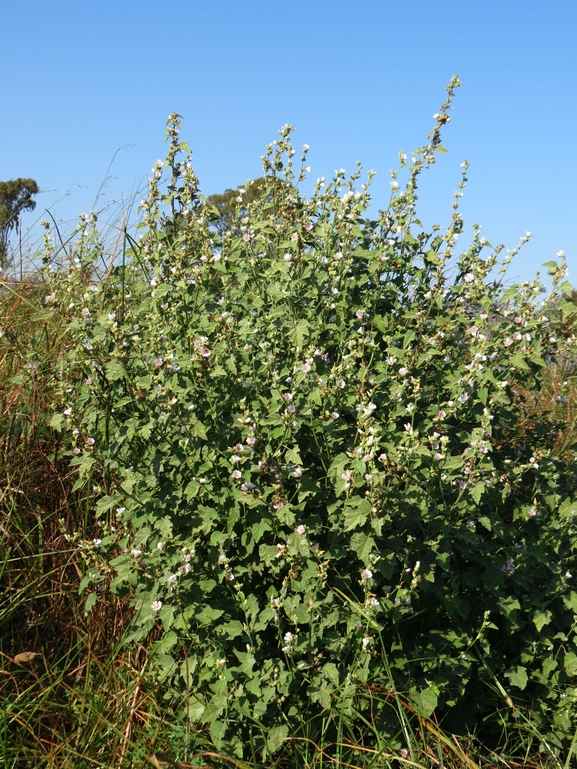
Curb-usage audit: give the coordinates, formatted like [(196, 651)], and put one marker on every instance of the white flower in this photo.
[(300, 529), (96, 542), (367, 574), (159, 545), (156, 605), (136, 552)]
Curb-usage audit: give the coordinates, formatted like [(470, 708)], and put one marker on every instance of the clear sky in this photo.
[(88, 85)]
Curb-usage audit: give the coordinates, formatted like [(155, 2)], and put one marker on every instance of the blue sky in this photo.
[(87, 85)]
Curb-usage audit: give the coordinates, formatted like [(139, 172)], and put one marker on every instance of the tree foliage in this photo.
[(15, 197)]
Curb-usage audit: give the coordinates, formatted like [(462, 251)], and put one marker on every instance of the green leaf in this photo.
[(195, 708), (509, 606), (57, 421), (115, 370), (570, 601), (141, 536), (298, 332), (476, 491), (542, 618), (259, 528), (191, 490), (208, 615), (217, 731), (355, 513), (162, 290), (198, 430), (426, 701), (332, 673), (215, 708), (232, 629), (90, 601), (276, 736), (321, 695), (104, 504), (517, 676), (363, 545), (570, 664), (431, 257), (293, 456)]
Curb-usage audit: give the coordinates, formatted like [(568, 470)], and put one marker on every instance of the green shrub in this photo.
[(302, 438)]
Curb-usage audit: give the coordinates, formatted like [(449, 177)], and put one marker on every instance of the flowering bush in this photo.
[(302, 437)]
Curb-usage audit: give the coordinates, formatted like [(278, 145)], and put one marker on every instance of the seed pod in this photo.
[(24, 658)]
